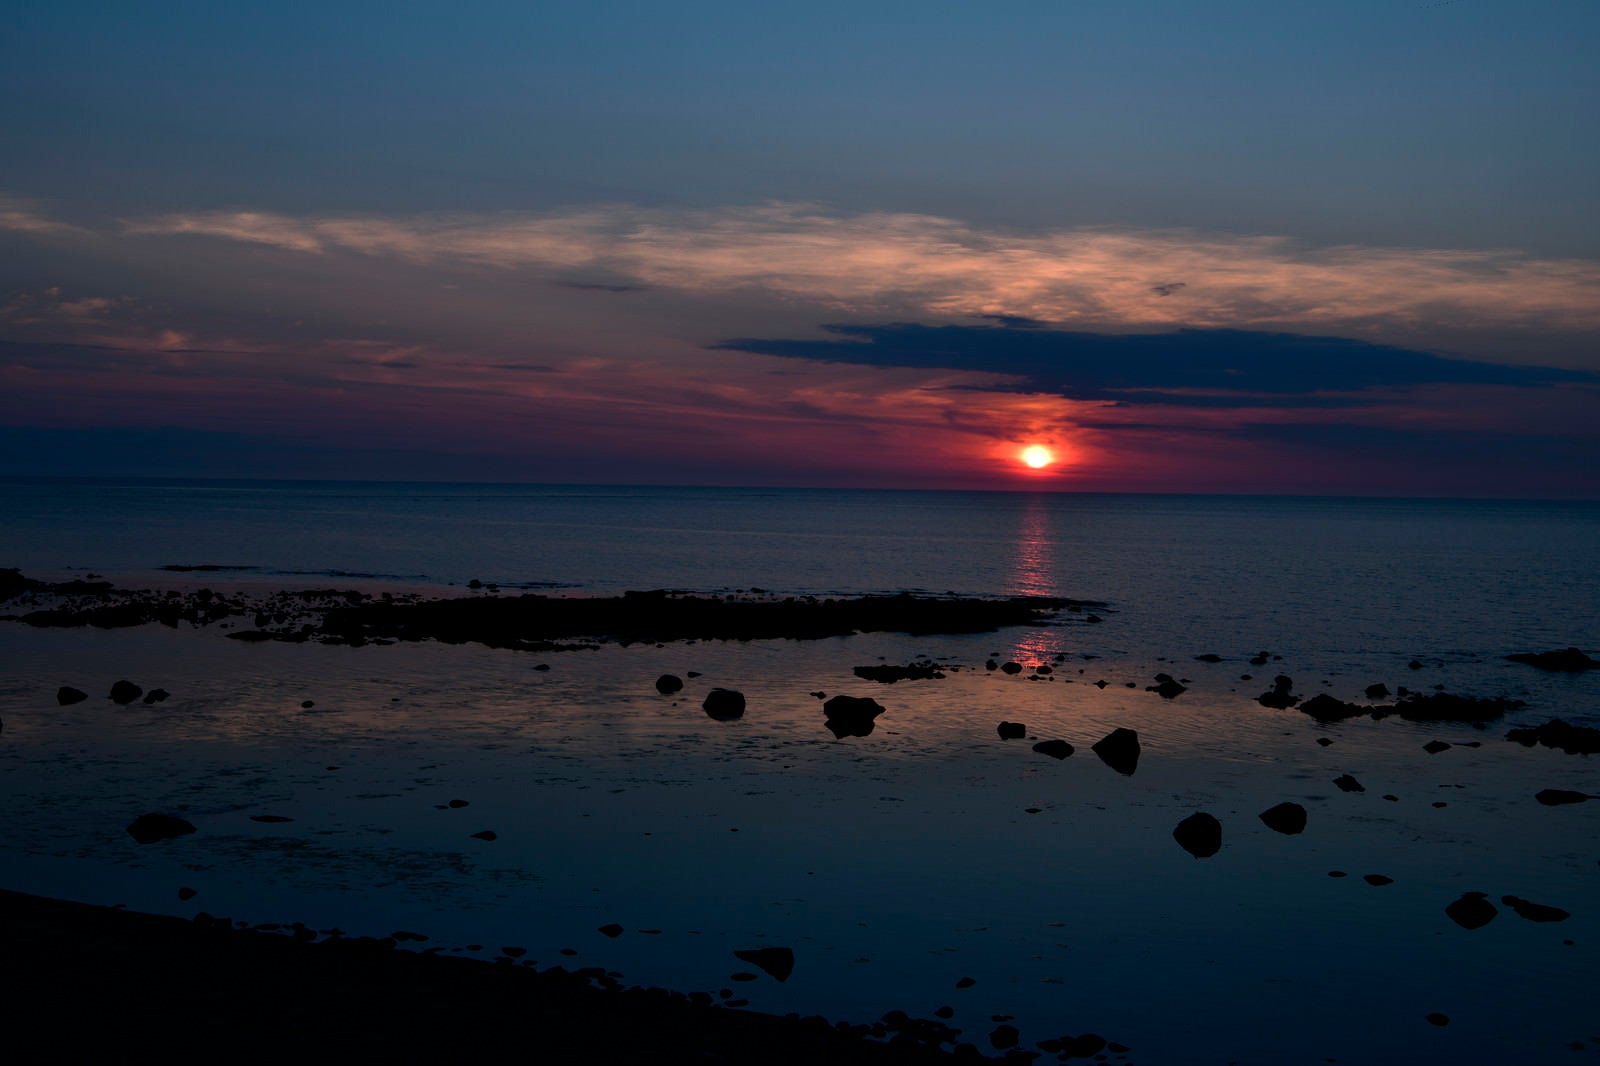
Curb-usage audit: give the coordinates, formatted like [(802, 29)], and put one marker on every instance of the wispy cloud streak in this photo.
[(883, 261)]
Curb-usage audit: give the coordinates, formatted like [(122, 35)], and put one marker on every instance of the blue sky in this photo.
[(615, 192)]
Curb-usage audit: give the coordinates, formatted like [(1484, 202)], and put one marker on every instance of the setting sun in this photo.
[(1037, 456)]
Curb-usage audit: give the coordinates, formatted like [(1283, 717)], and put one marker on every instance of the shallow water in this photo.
[(893, 864)]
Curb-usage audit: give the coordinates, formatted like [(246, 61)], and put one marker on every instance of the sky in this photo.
[(1237, 246)]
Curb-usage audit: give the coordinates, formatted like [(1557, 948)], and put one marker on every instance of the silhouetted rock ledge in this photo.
[(1569, 661), (101, 974), (528, 622), (1560, 734)]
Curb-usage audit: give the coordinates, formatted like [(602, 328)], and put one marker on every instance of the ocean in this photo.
[(895, 865)]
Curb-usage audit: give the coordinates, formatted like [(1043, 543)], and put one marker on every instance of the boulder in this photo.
[(1056, 749), (66, 696), (667, 684), (1472, 911), (1379, 691), (851, 716), (1011, 668), (1559, 734), (1287, 818), (1011, 730), (1279, 697), (1199, 834), (1445, 707), (157, 695), (775, 962), (149, 828), (1167, 687), (1324, 708), (724, 704), (125, 692), (1434, 747), (1119, 749), (1535, 912), (1347, 783), (1570, 661), (1558, 797)]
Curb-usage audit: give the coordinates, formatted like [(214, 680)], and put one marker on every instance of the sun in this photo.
[(1037, 456)]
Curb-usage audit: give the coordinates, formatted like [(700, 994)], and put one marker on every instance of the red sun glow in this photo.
[(1037, 456)]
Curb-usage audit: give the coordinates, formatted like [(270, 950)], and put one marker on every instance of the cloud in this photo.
[(22, 215), (926, 265), (1189, 367)]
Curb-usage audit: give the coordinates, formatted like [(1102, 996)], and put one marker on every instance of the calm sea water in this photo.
[(894, 864)]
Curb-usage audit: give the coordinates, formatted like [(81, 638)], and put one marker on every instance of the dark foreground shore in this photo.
[(82, 980)]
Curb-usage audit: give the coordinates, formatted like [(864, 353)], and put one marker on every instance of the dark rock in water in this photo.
[(1119, 749), (1535, 912), (1434, 747), (724, 704), (1569, 661), (1472, 911), (851, 716), (1438, 1019), (1102, 683), (1323, 742), (1011, 668), (613, 930), (457, 804), (1378, 880), (66, 696), (1324, 708), (1557, 733), (1287, 818), (1444, 707), (486, 834), (1347, 783), (1056, 749), (306, 705), (1086, 1046), (157, 695), (667, 684), (1279, 698), (776, 962), (1011, 730), (966, 982), (1414, 665), (1259, 659), (1208, 657), (991, 664), (125, 692), (1200, 835), (1377, 692), (1166, 687), (1557, 797), (149, 828), (1004, 1037), (272, 819), (185, 894), (945, 1012), (888, 675)]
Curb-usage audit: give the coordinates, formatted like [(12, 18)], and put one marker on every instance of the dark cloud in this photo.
[(1169, 288), (591, 286), (1016, 321), (530, 368), (1189, 367)]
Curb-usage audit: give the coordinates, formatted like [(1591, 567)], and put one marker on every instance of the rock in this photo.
[(271, 819), (724, 704), (1438, 1019), (125, 692), (1569, 661), (1535, 912), (1324, 708), (149, 828), (667, 684), (1377, 880), (990, 664), (1347, 783), (966, 982), (1208, 657), (1559, 734), (306, 705), (1011, 730), (1444, 707), (1119, 749), (1323, 742), (1200, 835), (1557, 797), (1378, 692), (1259, 659), (1056, 749), (851, 716), (1004, 1036), (1472, 911), (945, 1012), (612, 930), (1286, 818), (1166, 687), (1434, 747), (66, 696), (1414, 665), (157, 695), (185, 894), (1279, 698), (486, 834), (1082, 1047), (1011, 668), (775, 962), (457, 804)]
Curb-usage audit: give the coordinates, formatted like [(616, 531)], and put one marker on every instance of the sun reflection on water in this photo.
[(1033, 573)]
